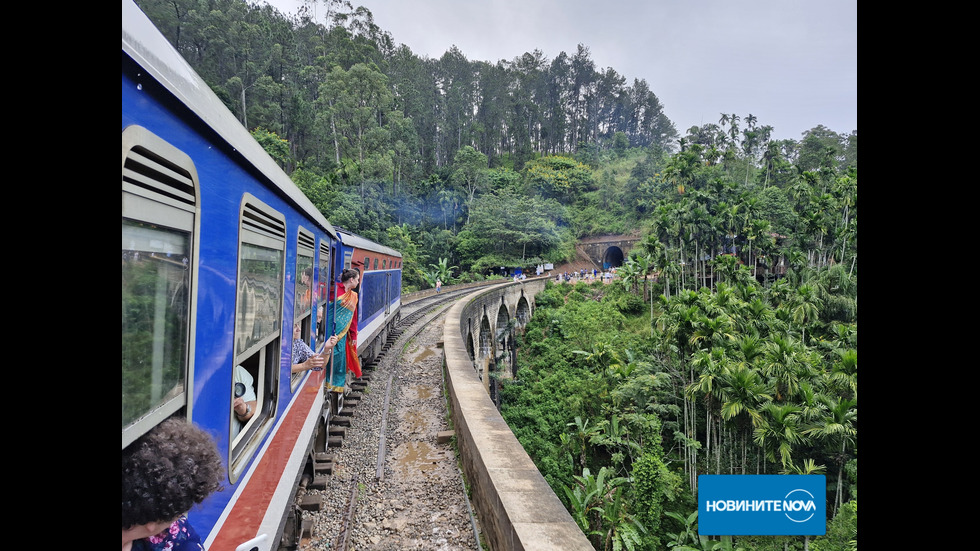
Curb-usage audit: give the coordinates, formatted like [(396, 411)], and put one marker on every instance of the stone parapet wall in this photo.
[(517, 510)]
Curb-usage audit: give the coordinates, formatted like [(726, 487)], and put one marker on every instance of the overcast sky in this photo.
[(791, 63)]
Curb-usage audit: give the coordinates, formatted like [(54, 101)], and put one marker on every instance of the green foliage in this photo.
[(275, 146), (631, 305), (558, 177), (514, 229), (599, 508), (440, 272), (653, 486), (841, 531)]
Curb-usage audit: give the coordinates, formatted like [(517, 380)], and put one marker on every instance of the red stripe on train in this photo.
[(250, 508)]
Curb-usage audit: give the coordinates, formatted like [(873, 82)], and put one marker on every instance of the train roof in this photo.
[(143, 42), (354, 240)]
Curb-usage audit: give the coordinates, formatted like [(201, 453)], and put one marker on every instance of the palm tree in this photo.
[(769, 159), (838, 429), (782, 365), (805, 307), (843, 375), (716, 330), (628, 274), (779, 431), (710, 366), (643, 265), (758, 316), (733, 130), (760, 230), (742, 393)]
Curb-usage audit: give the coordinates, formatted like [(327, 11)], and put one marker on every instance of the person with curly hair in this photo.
[(165, 472)]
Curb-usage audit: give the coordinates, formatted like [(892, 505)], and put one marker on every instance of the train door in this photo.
[(325, 278), (303, 295), (387, 294)]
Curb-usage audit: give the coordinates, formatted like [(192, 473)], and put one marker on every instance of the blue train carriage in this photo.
[(379, 294), (222, 257)]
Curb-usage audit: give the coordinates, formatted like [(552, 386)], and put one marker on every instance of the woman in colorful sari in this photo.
[(345, 332)]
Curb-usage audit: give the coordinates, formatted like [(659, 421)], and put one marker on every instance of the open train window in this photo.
[(367, 263), (258, 327), (159, 266), (304, 294)]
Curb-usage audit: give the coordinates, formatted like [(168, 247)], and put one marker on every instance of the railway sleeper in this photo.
[(311, 503), (322, 459), (341, 421), (307, 530), (320, 481)]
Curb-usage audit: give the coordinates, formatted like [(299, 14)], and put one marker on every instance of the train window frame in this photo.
[(262, 236), (160, 198), (303, 301), (367, 262)]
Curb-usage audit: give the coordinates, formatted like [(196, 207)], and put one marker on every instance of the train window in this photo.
[(159, 225), (258, 326), (367, 263), (375, 263), (303, 293), (384, 264)]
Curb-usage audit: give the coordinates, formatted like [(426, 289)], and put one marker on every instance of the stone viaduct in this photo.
[(517, 508)]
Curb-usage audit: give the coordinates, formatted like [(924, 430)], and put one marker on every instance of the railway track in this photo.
[(394, 481)]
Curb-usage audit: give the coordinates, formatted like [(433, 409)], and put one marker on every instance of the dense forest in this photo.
[(727, 343)]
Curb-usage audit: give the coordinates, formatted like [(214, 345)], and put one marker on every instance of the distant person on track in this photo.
[(165, 472), (438, 285), (344, 339)]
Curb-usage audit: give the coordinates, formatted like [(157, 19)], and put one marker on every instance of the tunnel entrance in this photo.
[(612, 258)]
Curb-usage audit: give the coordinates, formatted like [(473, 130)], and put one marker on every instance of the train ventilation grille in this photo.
[(306, 242), (154, 173), (262, 223)]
